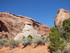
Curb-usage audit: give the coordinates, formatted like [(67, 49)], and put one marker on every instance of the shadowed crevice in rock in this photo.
[(3, 27)]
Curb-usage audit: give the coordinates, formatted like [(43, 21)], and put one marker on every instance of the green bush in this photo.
[(66, 32), (12, 43), (38, 40), (26, 41), (47, 40), (57, 43), (66, 25), (2, 42), (58, 36)]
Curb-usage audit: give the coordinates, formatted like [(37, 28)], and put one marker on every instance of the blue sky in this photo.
[(43, 11)]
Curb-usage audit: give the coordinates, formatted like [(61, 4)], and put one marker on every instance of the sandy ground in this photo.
[(28, 49)]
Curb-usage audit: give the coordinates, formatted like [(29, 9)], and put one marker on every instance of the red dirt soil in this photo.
[(28, 49)]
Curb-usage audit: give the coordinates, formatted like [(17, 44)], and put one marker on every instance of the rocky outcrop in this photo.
[(61, 16), (11, 25), (27, 30)]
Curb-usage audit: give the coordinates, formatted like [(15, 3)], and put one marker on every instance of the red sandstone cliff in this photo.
[(11, 25)]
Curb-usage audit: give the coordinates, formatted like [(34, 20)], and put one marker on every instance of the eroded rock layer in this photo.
[(11, 25)]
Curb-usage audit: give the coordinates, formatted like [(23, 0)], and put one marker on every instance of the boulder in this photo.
[(62, 15)]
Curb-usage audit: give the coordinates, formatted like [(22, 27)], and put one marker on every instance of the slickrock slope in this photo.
[(61, 16), (11, 25)]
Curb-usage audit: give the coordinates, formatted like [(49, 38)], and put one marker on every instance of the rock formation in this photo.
[(61, 16), (27, 30), (11, 25)]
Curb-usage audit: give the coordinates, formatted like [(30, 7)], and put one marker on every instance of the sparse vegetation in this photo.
[(66, 32), (2, 42), (12, 43), (57, 43), (38, 40), (58, 36), (26, 41)]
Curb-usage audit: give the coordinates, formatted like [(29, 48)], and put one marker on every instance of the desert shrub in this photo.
[(57, 42), (66, 32), (66, 36), (38, 40), (12, 43), (47, 40), (58, 36), (26, 41), (66, 25), (2, 42)]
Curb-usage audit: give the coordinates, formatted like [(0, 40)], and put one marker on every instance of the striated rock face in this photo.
[(61, 16), (11, 25)]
